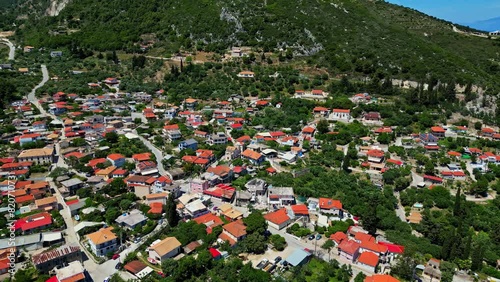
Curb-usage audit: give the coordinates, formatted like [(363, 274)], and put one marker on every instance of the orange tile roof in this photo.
[(372, 246), (368, 258), (438, 129), (487, 130), (251, 154), (364, 237), (115, 157), (236, 228), (380, 278), (348, 246), (156, 208), (341, 111), (278, 217), (300, 209), (338, 237), (102, 235), (326, 203)]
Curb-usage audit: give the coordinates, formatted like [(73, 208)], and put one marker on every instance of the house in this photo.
[(28, 138), (300, 211), (54, 54), (119, 173), (38, 189), (190, 103), (340, 115), (73, 271), (217, 139), (38, 156), (373, 247), (487, 132), (330, 206), (28, 49), (372, 116), (280, 196), (157, 198), (438, 132), (232, 153), (278, 219), (433, 179), (432, 269), (33, 223), (141, 157), (380, 278), (117, 160), (58, 257), (146, 168), (111, 81), (72, 185), (210, 220), (188, 144), (164, 249), (246, 74), (106, 173), (375, 156), (195, 208), (135, 267), (224, 173), (131, 219), (429, 139), (349, 249), (368, 260), (255, 158), (221, 191), (338, 237), (172, 132), (308, 131), (47, 204), (233, 232), (74, 206), (103, 241), (155, 208)]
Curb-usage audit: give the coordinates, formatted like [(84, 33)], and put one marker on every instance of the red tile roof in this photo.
[(380, 278), (374, 247), (375, 153), (487, 130), (433, 178), (251, 154), (368, 258), (115, 157), (338, 237), (341, 111), (349, 246), (277, 217), (364, 237), (300, 209), (327, 204), (171, 127), (308, 129), (33, 221), (438, 129)]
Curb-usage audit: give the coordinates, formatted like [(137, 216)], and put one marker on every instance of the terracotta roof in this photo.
[(320, 109), (236, 228), (487, 130), (338, 237), (171, 127), (380, 278), (55, 253), (341, 111), (251, 154), (165, 246), (46, 201), (364, 237), (115, 157), (454, 154), (368, 258), (438, 129), (25, 198), (308, 129), (348, 246), (277, 217), (135, 266), (157, 196), (326, 203), (209, 219), (141, 157), (300, 209), (372, 246), (375, 153), (102, 235), (220, 170), (156, 208), (33, 221)]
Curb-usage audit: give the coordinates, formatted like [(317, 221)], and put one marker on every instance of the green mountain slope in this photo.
[(346, 36)]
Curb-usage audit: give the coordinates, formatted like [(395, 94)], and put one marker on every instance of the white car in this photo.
[(106, 279)]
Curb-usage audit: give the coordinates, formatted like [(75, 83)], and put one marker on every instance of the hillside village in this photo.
[(113, 185)]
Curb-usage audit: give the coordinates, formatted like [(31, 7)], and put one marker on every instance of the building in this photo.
[(233, 232), (38, 156), (330, 206), (349, 249), (375, 156), (338, 237), (340, 115), (298, 257), (372, 116), (157, 198), (254, 157), (73, 272), (164, 249), (58, 257), (368, 260), (103, 241), (195, 209), (380, 278), (47, 204), (432, 269), (117, 160), (72, 185), (188, 144), (438, 132), (256, 186), (54, 54), (135, 267), (131, 219), (246, 74), (219, 138), (106, 173), (280, 196), (278, 219)]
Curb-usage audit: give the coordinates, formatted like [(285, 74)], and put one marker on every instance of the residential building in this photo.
[(340, 115), (233, 232), (157, 198), (372, 116), (298, 257), (278, 219), (195, 209), (106, 173), (131, 219), (72, 185), (232, 153), (217, 139), (210, 220), (188, 144), (47, 204), (164, 249), (58, 257), (224, 173), (368, 261), (73, 272), (280, 196), (438, 132), (246, 74), (256, 186), (330, 206), (38, 156), (198, 185), (103, 241), (338, 237), (117, 160), (432, 269), (349, 249), (254, 157), (380, 278)]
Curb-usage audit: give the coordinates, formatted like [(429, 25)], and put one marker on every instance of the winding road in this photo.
[(31, 96), (12, 48)]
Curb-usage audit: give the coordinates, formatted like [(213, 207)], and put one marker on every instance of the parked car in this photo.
[(106, 279), (115, 256), (318, 236), (277, 259), (311, 237), (118, 265)]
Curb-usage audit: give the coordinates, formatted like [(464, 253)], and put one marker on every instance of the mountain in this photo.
[(486, 25), (364, 37)]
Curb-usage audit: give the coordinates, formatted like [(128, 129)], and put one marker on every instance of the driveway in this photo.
[(12, 48)]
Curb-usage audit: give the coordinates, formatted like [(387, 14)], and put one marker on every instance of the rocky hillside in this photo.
[(346, 36)]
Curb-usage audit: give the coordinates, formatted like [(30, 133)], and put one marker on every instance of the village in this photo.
[(99, 180)]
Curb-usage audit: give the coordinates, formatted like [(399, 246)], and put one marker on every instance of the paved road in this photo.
[(416, 179), (31, 96), (400, 211), (158, 154), (12, 48)]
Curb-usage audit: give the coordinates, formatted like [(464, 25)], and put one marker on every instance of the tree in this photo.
[(478, 125), (323, 126), (171, 212), (278, 242), (58, 171), (404, 268), (384, 138), (255, 243), (480, 245), (360, 277), (328, 246), (111, 137), (255, 223)]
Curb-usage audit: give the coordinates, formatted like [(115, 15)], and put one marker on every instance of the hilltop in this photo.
[(363, 37)]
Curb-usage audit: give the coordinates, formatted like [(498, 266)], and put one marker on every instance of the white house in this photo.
[(103, 241), (340, 115), (164, 249)]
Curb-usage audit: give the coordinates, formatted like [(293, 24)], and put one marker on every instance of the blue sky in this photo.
[(458, 11)]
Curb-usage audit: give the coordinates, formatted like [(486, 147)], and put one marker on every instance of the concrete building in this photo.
[(164, 249)]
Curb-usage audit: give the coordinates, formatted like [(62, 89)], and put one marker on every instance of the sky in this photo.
[(457, 11)]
